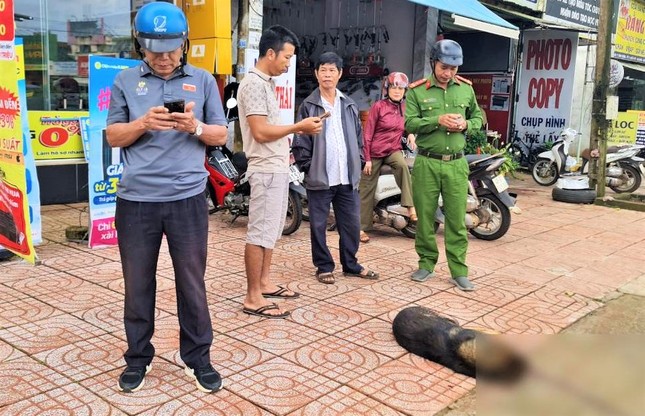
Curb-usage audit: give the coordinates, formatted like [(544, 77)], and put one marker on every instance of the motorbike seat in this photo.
[(475, 159), (387, 170)]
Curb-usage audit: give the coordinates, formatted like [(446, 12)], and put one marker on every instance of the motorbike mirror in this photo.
[(231, 103)]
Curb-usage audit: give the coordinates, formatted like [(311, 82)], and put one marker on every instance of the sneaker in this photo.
[(421, 275), (463, 283), (206, 378), (133, 378)]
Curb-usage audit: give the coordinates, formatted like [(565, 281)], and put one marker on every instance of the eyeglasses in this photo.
[(398, 87)]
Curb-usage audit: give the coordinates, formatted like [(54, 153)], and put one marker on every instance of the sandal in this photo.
[(363, 274), (261, 312), (414, 218), (364, 238), (326, 278)]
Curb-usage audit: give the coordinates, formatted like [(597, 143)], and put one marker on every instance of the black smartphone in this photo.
[(176, 106)]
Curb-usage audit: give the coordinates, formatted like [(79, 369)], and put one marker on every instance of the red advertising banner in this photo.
[(493, 93), (6, 21)]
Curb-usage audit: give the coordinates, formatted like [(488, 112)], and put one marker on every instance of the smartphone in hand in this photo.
[(326, 115), (176, 106)]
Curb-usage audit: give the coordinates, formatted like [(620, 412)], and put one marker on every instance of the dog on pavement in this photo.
[(425, 333)]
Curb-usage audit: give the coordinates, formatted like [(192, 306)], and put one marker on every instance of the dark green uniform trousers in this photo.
[(431, 177)]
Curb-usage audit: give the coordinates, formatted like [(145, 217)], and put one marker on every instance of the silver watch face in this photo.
[(198, 130)]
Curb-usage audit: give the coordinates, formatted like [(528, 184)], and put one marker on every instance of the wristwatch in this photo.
[(198, 129)]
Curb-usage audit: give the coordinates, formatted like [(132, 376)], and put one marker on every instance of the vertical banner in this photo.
[(545, 93), (31, 177), (15, 230), (105, 165)]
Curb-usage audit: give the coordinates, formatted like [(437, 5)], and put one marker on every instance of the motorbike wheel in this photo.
[(545, 172), (500, 219), (633, 180), (294, 214), (410, 230)]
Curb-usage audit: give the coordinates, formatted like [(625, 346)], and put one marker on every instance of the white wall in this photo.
[(583, 96)]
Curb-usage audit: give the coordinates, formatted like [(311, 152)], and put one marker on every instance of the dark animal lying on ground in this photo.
[(423, 332)]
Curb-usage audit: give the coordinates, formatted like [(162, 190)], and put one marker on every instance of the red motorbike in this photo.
[(229, 190)]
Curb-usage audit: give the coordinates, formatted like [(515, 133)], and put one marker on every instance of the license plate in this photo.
[(500, 183), (294, 174)]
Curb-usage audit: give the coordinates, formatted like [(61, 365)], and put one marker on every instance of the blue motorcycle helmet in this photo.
[(160, 27), (447, 52)]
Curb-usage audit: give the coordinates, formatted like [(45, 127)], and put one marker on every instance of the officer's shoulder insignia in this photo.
[(417, 83), (462, 79)]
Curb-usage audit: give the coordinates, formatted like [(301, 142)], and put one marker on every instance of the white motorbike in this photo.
[(622, 169), (488, 214)]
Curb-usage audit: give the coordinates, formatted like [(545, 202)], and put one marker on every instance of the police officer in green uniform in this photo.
[(440, 110)]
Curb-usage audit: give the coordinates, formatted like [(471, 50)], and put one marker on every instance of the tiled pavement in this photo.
[(62, 338)]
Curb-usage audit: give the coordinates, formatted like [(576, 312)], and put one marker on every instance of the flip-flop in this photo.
[(262, 309), (280, 294), (326, 278), (369, 274)]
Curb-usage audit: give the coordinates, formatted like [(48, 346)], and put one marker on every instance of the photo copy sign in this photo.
[(546, 84)]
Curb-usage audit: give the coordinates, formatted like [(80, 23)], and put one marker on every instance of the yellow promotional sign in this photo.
[(629, 43), (15, 230), (56, 135), (623, 129)]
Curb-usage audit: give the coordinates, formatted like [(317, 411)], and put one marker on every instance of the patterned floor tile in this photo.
[(337, 359), (67, 293), (277, 336), (375, 335), (227, 315), (71, 399), (225, 286), (367, 301), (48, 334), (571, 285), (222, 403), (402, 288), (327, 317), (24, 377), (73, 261), (280, 386), (228, 263), (508, 320), (345, 401), (228, 355), (21, 310), (464, 306), (308, 285), (530, 274), (100, 274), (163, 383), (8, 352), (86, 358), (13, 270), (411, 390)]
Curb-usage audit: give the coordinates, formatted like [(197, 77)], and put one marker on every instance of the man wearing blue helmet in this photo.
[(161, 192), (440, 110)]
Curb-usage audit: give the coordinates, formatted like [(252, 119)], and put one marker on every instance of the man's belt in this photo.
[(445, 158)]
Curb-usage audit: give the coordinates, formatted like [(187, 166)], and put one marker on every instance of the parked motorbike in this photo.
[(622, 170), (525, 154), (488, 215), (229, 190)]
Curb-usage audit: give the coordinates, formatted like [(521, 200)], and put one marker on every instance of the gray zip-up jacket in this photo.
[(310, 151)]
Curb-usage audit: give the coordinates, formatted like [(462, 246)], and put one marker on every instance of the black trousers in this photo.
[(346, 205), (141, 227)]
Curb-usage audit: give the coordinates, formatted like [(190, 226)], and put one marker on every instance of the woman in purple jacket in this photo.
[(382, 144)]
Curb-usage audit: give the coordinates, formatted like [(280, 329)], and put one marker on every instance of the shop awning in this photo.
[(473, 15), (634, 66)]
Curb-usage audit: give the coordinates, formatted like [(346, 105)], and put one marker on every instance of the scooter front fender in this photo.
[(547, 154), (293, 186)]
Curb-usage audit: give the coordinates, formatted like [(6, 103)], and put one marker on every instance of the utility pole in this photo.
[(242, 42), (599, 122)]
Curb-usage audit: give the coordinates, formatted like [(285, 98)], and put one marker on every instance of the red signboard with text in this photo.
[(493, 93), (6, 21)]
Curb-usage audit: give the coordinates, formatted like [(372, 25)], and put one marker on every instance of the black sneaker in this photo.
[(206, 378), (132, 378)]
